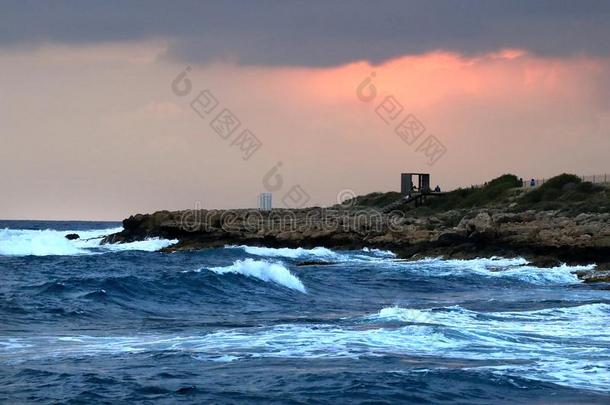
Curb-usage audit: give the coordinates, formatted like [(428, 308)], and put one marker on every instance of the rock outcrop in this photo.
[(545, 237)]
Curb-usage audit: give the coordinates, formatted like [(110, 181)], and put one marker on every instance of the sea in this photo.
[(83, 323)]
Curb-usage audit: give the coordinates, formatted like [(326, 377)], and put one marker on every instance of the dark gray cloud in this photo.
[(315, 33)]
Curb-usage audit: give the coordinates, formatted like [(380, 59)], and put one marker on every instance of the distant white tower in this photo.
[(264, 202)]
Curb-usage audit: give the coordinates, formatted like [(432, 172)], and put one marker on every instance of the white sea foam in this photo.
[(26, 242), (575, 373), (290, 253), (532, 344), (496, 267), (38, 243), (379, 252), (588, 320), (322, 253), (148, 245), (289, 340), (567, 345), (263, 270)]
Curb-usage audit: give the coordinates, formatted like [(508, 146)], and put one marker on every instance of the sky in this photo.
[(112, 108)]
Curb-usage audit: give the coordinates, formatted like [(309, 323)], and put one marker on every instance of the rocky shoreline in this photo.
[(545, 238)]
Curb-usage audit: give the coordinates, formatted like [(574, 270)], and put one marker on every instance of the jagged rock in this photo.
[(545, 236), (481, 223), (595, 276), (582, 218), (545, 262), (502, 218), (451, 238), (289, 236)]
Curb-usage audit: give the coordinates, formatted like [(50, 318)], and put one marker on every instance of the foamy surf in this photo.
[(148, 245), (517, 269), (558, 356), (477, 325), (379, 252), (263, 270), (319, 253), (588, 320), (549, 340), (290, 253), (26, 242)]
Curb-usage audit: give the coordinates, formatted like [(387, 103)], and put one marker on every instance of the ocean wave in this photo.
[(290, 253), (263, 270), (288, 340), (379, 252), (37, 243), (496, 267), (517, 269), (148, 245), (588, 320), (48, 242), (320, 253), (509, 350)]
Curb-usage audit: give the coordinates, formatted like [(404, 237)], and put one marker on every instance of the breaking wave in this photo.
[(27, 242), (549, 343), (263, 270), (148, 245), (379, 252), (319, 253), (545, 345), (578, 321), (295, 253), (516, 269), (483, 320)]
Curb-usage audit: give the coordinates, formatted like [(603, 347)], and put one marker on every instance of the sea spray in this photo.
[(291, 253), (517, 269), (263, 270), (48, 242)]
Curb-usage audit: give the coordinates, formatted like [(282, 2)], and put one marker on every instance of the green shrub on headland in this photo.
[(494, 191), (552, 189), (565, 192), (568, 193), (372, 200)]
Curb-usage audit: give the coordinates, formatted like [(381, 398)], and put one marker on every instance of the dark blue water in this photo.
[(81, 323)]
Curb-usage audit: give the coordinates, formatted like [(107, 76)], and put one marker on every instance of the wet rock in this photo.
[(72, 236), (595, 276), (544, 237), (545, 262), (481, 223), (451, 238)]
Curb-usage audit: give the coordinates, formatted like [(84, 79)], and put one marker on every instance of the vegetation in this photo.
[(492, 192), (565, 192), (552, 189), (373, 200), (568, 193)]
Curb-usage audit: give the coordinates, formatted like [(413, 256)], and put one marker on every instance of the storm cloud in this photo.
[(315, 33)]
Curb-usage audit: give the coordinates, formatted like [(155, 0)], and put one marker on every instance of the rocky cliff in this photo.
[(565, 220), (546, 238)]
